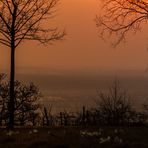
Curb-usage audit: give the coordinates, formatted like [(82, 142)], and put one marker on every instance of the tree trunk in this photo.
[(11, 91)]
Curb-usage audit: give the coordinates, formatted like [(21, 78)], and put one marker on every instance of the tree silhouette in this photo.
[(119, 17), (22, 20), (115, 105), (26, 102)]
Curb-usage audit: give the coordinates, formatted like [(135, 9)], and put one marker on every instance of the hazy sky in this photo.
[(82, 49)]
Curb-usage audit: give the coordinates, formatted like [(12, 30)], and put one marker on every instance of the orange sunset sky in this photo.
[(81, 49)]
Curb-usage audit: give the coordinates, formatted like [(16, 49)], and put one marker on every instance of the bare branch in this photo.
[(119, 17), (4, 42), (22, 20)]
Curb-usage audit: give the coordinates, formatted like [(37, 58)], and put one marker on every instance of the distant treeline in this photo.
[(113, 108)]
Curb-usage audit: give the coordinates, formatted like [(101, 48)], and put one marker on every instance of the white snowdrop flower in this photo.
[(103, 140), (90, 134), (108, 138), (82, 133), (9, 133), (116, 131), (35, 130)]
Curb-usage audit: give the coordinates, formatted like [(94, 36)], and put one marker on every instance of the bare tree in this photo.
[(47, 117), (22, 20), (114, 106), (26, 102), (27, 105), (119, 17), (3, 98)]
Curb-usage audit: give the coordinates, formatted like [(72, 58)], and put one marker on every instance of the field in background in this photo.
[(72, 91)]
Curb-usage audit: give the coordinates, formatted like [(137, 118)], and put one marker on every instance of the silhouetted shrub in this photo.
[(114, 106), (26, 102)]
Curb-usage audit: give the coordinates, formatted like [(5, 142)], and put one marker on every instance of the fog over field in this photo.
[(71, 90)]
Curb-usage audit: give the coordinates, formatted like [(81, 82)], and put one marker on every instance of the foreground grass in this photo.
[(71, 137)]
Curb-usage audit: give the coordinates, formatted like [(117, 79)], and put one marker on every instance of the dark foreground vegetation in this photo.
[(112, 123), (72, 137)]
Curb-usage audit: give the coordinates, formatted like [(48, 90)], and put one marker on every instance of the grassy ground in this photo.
[(135, 137)]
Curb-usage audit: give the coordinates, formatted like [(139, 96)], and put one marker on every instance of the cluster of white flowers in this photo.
[(104, 140), (33, 131), (116, 139), (10, 133), (86, 133)]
